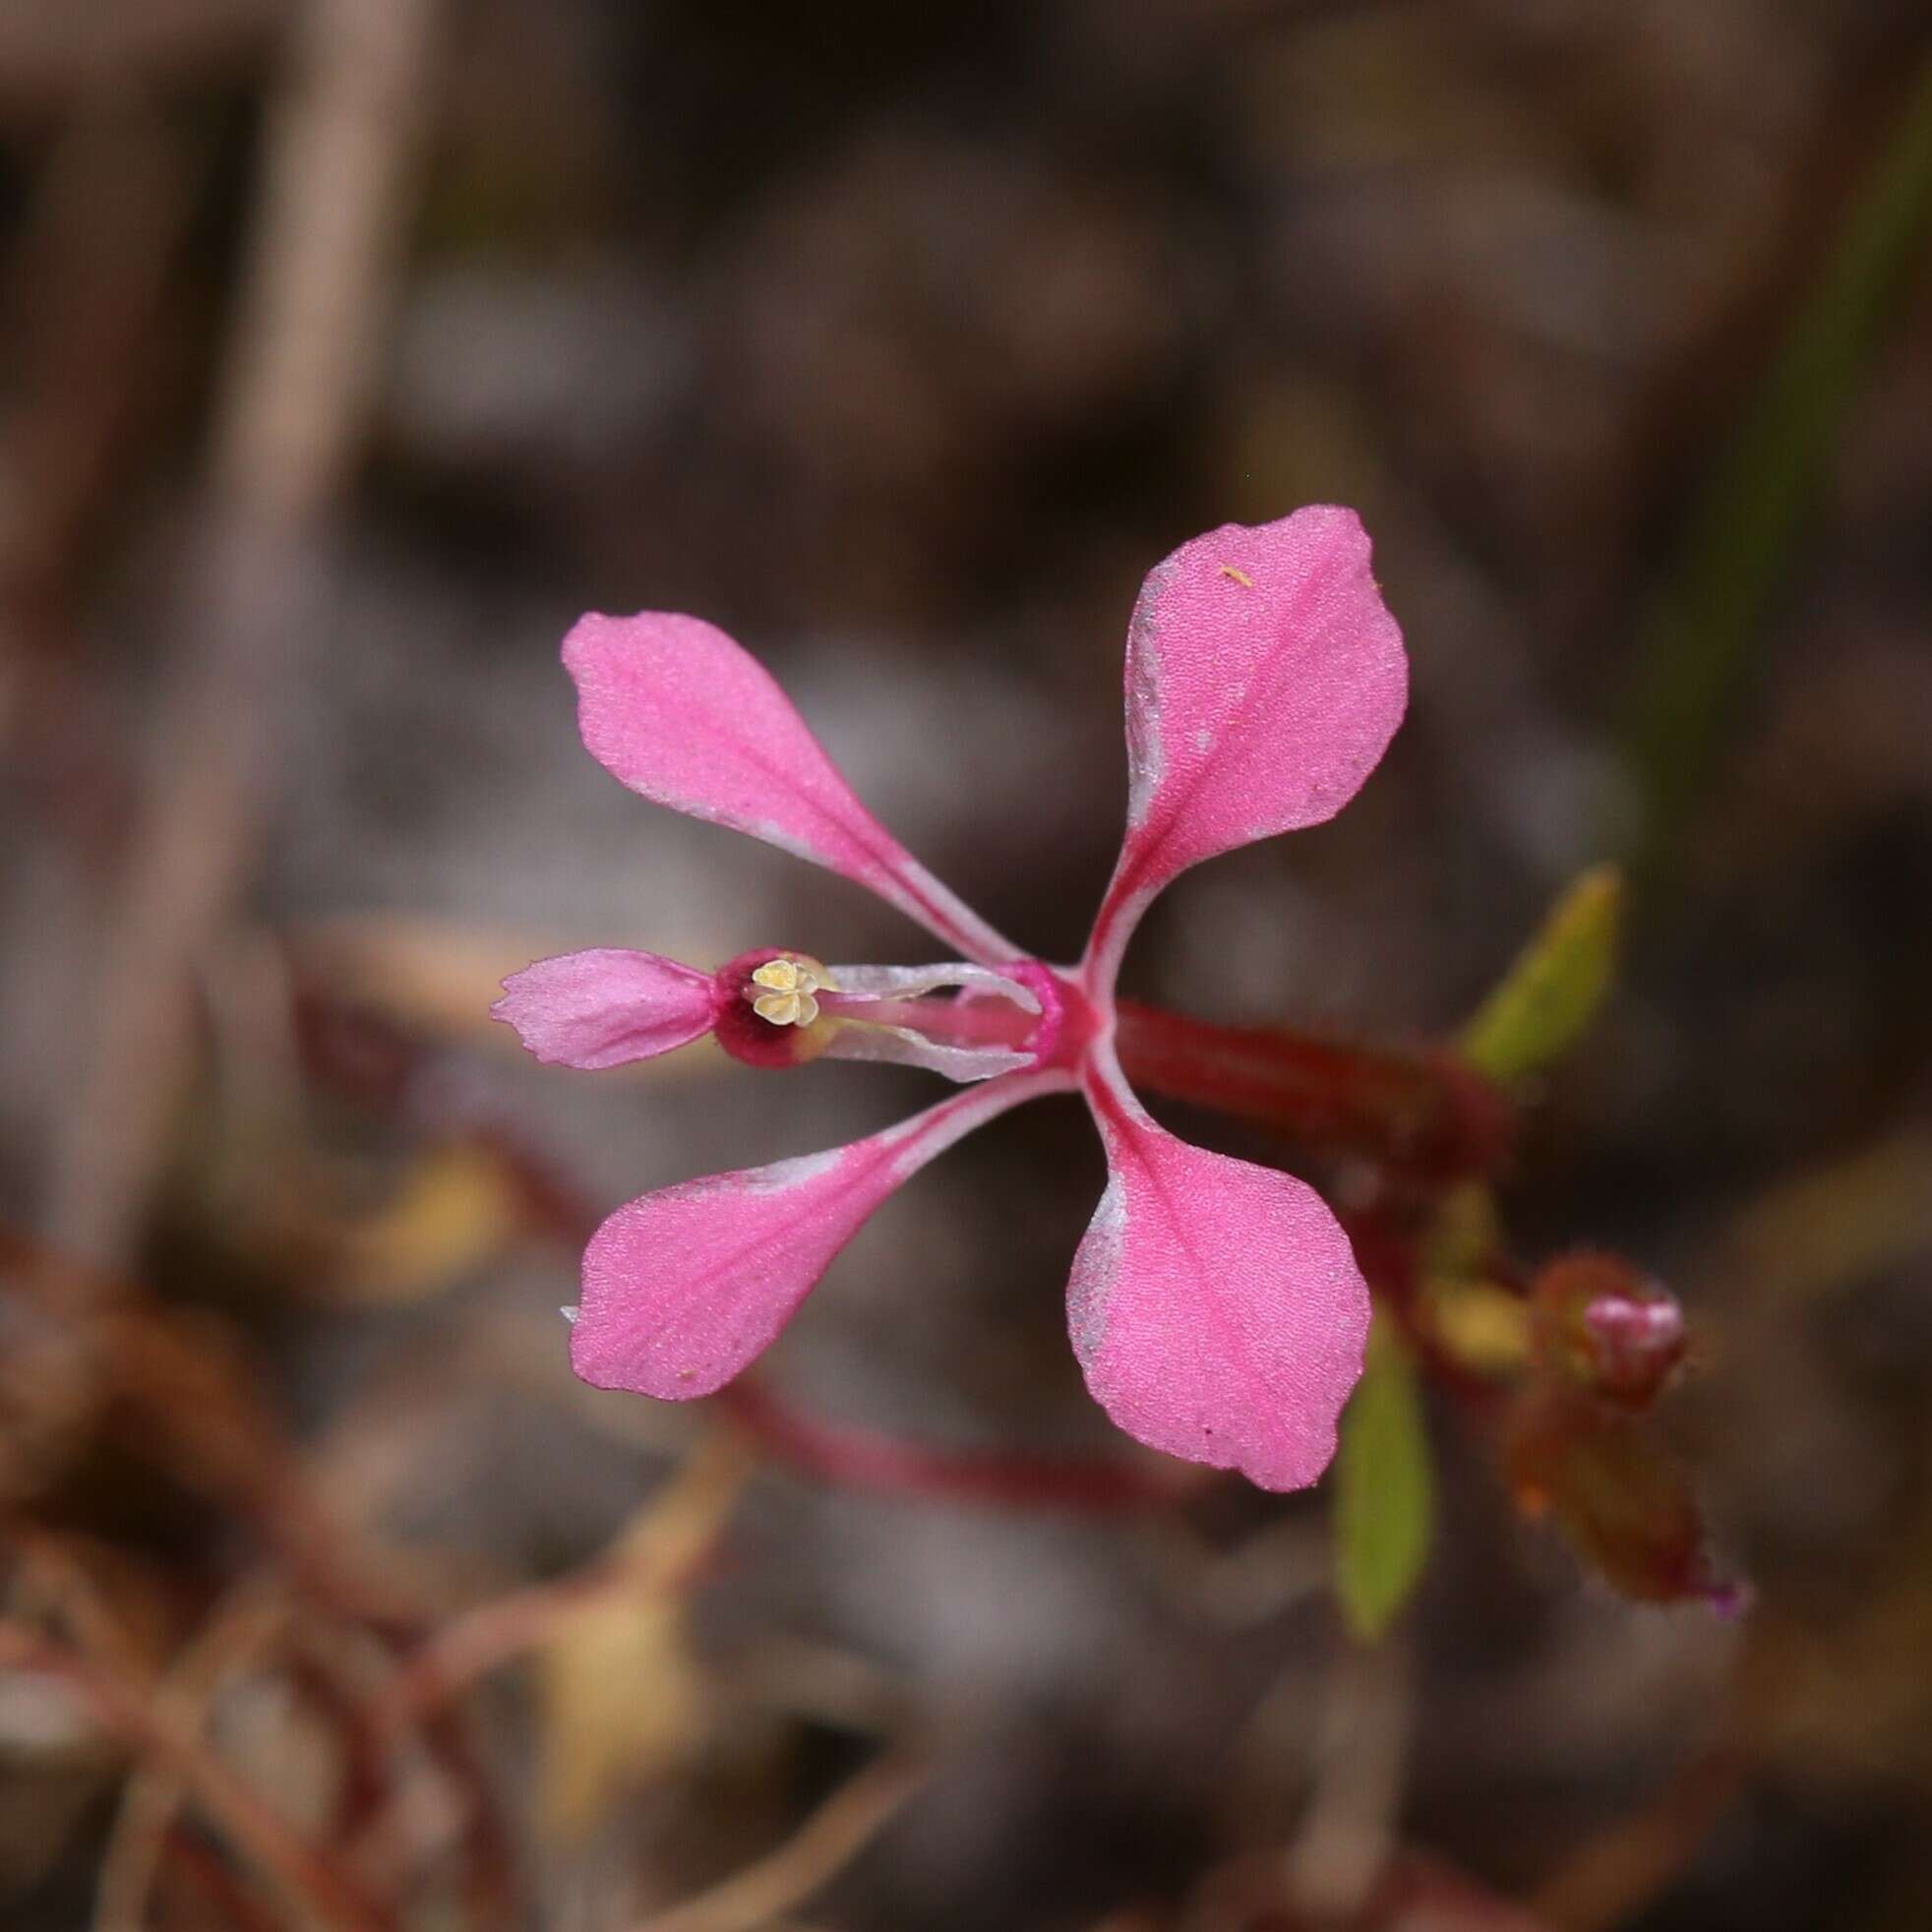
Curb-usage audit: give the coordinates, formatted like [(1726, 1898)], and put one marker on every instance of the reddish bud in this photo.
[(1619, 1496), (1600, 1324)]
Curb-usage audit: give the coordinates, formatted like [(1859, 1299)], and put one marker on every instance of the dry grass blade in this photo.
[(342, 140), (153, 1795), (823, 1847), (304, 1876)]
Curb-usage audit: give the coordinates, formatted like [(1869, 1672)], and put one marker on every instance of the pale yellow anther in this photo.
[(786, 1008), (790, 985), (782, 976)]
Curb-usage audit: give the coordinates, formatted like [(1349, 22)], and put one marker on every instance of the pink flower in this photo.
[(1215, 1305)]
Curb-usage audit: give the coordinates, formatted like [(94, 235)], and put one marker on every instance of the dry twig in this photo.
[(822, 1848), (340, 143), (152, 1799), (129, 1712)]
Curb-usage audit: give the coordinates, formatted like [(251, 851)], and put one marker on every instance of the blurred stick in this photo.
[(342, 137), (84, 292), (154, 1794), (1626, 1867), (823, 1847), (1700, 642), (194, 1405), (129, 1712), (48, 52), (673, 1537), (660, 1554), (62, 1591), (85, 296), (1348, 1835), (203, 1866)]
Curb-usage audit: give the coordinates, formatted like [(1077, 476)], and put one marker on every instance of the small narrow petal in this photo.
[(683, 1288), (902, 1047), (1215, 1307), (897, 994), (605, 1006), (1264, 679), (678, 711), (909, 982)]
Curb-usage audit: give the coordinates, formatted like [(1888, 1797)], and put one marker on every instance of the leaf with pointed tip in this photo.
[(1557, 983), (1385, 1489)]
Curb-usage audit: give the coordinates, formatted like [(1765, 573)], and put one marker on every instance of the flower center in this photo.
[(765, 1007), (776, 1007), (791, 989)]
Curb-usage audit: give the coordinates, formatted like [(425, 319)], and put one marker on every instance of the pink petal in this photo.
[(683, 1288), (1265, 678), (680, 713), (605, 1006), (1216, 1307)]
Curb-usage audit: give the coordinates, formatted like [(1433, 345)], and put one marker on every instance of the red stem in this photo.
[(303, 1872), (1423, 1110), (884, 1465)]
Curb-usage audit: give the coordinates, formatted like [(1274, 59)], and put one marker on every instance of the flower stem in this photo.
[(850, 1457), (1423, 1110)]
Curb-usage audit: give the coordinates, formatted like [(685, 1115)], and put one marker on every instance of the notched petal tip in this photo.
[(605, 1006), (1264, 679), (1215, 1307)]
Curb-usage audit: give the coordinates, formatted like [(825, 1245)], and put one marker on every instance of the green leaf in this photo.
[(1385, 1489), (1558, 981)]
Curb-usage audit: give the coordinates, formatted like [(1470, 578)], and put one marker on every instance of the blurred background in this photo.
[(348, 350)]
